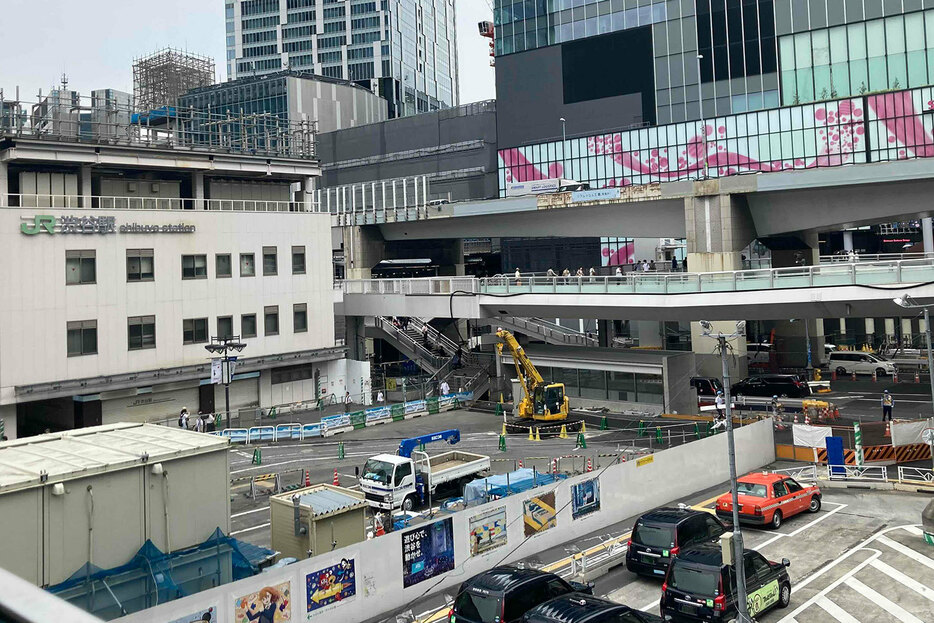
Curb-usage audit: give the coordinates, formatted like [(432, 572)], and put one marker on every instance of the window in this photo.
[(82, 338), (80, 267), (222, 265), (290, 374), (793, 487), (270, 263), (141, 332), (194, 330), (779, 489), (298, 260), (714, 527), (248, 325), (139, 265), (403, 470), (299, 318), (247, 265), (224, 326), (194, 267), (271, 320)]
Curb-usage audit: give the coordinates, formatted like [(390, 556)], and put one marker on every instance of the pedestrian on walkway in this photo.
[(777, 409), (209, 420), (645, 266), (684, 264), (183, 418), (199, 423), (674, 264), (888, 401), (567, 275), (518, 277), (593, 273), (347, 402), (652, 266), (720, 404), (445, 388), (551, 273), (379, 397), (619, 272), (425, 334)]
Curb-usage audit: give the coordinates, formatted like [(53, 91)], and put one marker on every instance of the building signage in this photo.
[(599, 194), (532, 187), (49, 224)]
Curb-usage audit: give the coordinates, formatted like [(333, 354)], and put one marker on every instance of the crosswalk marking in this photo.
[(915, 530), (907, 551), (903, 579), (882, 601), (836, 611)]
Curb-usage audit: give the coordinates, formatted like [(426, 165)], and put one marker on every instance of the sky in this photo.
[(94, 42)]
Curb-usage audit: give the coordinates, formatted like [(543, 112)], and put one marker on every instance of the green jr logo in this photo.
[(40, 222)]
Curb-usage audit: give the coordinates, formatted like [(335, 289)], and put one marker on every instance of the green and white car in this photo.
[(699, 587)]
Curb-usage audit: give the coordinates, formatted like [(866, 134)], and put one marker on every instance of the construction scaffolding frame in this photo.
[(162, 77)]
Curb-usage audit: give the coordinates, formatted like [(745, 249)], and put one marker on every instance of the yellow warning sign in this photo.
[(645, 460)]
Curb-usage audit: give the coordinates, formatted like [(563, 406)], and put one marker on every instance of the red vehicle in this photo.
[(769, 499)]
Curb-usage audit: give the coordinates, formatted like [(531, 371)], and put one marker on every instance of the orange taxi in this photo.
[(769, 499)]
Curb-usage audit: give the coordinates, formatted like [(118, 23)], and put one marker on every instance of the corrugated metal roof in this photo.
[(324, 501), (77, 453)]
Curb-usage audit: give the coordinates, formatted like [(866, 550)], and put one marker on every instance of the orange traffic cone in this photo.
[(853, 376), (895, 377), (554, 466), (836, 413), (807, 419), (874, 378), (307, 478), (520, 463), (379, 528), (337, 481), (917, 377), (888, 430), (589, 464)]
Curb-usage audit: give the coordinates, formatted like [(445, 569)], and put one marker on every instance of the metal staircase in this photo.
[(544, 330)]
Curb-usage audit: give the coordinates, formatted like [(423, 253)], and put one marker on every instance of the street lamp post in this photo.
[(742, 609), (908, 302), (700, 104), (564, 146), (223, 346)]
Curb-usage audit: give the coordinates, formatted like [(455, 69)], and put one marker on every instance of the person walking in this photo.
[(199, 423), (645, 266), (567, 275), (445, 388), (347, 402), (619, 272), (593, 274), (183, 418), (684, 264), (518, 277), (888, 401), (425, 334), (652, 266), (551, 273), (777, 409), (379, 397), (720, 404), (209, 421), (674, 264)]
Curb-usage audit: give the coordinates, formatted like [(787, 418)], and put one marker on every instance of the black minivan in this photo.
[(660, 534), (699, 587), (504, 594), (768, 385)]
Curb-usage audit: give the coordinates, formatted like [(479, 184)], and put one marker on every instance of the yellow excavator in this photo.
[(542, 402)]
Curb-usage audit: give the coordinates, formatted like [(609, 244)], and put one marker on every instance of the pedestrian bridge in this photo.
[(857, 289)]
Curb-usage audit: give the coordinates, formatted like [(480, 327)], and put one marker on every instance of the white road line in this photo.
[(836, 611), (915, 530), (882, 601), (648, 607), (904, 580), (805, 526), (907, 551), (843, 578), (255, 510), (250, 529)]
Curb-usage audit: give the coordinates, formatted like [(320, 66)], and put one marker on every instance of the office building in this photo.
[(404, 50)]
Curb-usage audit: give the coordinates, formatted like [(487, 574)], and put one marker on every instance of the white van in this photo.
[(848, 362)]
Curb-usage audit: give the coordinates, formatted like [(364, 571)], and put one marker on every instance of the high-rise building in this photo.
[(404, 50)]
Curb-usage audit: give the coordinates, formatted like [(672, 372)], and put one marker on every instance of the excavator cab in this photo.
[(549, 398)]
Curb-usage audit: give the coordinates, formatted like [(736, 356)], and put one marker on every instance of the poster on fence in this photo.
[(585, 498), (330, 585), (199, 616), (270, 604), (487, 531), (539, 513), (427, 551)]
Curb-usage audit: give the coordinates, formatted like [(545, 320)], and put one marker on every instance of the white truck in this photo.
[(413, 477)]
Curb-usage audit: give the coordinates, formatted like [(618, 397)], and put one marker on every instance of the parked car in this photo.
[(660, 534), (699, 587), (706, 386), (504, 594), (768, 385), (581, 608), (769, 499), (848, 362)]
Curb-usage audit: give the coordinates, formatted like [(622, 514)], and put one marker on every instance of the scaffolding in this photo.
[(162, 77)]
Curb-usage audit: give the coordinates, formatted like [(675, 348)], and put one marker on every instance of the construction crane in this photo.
[(487, 30), (542, 402), (451, 436)]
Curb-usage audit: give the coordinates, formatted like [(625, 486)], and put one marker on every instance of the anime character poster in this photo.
[(427, 551), (585, 498), (487, 531), (330, 585), (208, 615), (270, 604), (539, 513)]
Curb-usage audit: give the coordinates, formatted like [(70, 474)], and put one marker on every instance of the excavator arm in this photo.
[(541, 401)]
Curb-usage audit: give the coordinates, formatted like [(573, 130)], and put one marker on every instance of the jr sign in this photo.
[(68, 224)]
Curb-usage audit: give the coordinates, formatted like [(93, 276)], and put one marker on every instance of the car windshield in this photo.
[(653, 535), (377, 470), (704, 582), (475, 607), (750, 488)]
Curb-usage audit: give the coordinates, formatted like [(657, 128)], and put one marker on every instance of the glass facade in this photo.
[(404, 49), (895, 125), (877, 55), (607, 385)]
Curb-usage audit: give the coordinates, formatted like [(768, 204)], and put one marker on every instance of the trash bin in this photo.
[(927, 523)]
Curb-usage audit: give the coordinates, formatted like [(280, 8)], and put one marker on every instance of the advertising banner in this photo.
[(539, 513), (487, 531), (414, 407), (272, 604), (427, 551), (330, 585), (585, 498)]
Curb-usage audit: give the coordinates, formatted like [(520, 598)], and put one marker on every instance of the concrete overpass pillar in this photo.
[(605, 333), (452, 260), (197, 189), (308, 188), (355, 338), (718, 227), (871, 329), (649, 333), (364, 248), (927, 230), (4, 186), (85, 186), (848, 241)]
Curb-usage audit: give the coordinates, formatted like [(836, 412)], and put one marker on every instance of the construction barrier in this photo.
[(885, 453)]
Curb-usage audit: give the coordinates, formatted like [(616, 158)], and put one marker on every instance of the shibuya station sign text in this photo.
[(49, 224)]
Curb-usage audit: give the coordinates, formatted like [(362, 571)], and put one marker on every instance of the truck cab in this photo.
[(388, 481)]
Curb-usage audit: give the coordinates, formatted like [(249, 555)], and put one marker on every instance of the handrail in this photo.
[(100, 202), (383, 323)]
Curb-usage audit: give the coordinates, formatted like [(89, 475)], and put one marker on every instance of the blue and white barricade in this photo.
[(378, 414)]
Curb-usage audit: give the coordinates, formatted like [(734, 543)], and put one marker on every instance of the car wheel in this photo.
[(408, 503), (880, 371), (814, 506), (841, 370), (777, 519), (784, 596)]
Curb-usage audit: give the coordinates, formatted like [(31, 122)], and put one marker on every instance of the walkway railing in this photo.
[(844, 274), (96, 202)]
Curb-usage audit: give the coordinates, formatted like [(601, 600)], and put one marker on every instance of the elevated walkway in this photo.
[(863, 289)]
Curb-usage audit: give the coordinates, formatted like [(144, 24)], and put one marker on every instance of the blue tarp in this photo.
[(501, 485)]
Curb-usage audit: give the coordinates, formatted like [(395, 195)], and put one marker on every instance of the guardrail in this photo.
[(862, 273), (878, 473), (808, 472), (915, 475), (99, 202)]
